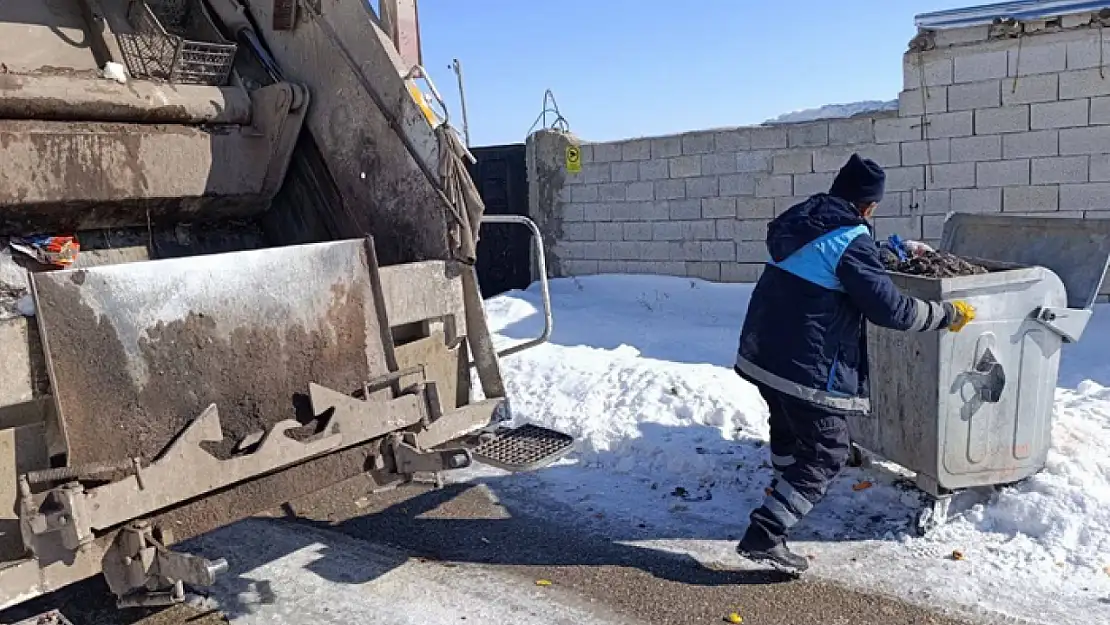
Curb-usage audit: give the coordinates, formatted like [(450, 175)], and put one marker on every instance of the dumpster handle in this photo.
[(545, 291), (989, 378)]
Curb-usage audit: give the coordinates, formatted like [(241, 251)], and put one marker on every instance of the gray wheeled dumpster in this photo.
[(974, 408)]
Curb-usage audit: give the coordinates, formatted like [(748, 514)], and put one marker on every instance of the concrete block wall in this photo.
[(1015, 125)]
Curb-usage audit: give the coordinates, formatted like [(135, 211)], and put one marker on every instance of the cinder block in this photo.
[(750, 230), (563, 194), (698, 143), (897, 129), (1002, 120), (905, 178), (1084, 83), (726, 229), (959, 124), (752, 162), (741, 273), (1029, 144), (655, 169), (1100, 167), (611, 231), (718, 250), (931, 202), (738, 184), (1030, 58), (1060, 169), (983, 148), (1090, 140), (625, 172), (627, 250), (637, 150), (979, 67), (1031, 89), (755, 208), (639, 211), (905, 227), (669, 189), (717, 207), (923, 69), (1031, 199), (652, 250), (572, 212), (612, 192), (923, 152), (706, 186), (1002, 173), (809, 184), (1100, 111), (975, 95), (637, 231), (851, 131), (684, 209), (654, 268), (685, 166), (584, 250), (579, 267), (701, 230), (751, 252), (720, 163), (768, 137), (888, 155), (785, 203), (1084, 53), (686, 250), (639, 191), (831, 158), (1063, 114), (952, 176), (773, 186), (932, 226), (606, 152), (808, 135), (977, 200), (960, 36), (593, 173), (1090, 196), (666, 147), (704, 270), (736, 140), (578, 231), (914, 102), (792, 162), (584, 193), (667, 231)]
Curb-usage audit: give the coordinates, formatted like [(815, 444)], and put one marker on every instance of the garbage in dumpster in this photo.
[(56, 251)]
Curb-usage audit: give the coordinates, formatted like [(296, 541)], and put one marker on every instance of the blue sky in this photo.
[(625, 68)]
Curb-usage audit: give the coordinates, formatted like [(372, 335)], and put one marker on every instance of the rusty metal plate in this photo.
[(136, 351)]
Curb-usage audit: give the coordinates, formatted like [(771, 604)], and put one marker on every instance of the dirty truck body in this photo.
[(273, 291)]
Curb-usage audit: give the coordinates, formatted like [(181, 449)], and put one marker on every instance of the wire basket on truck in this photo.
[(176, 41)]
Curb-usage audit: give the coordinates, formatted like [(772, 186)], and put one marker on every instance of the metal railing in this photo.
[(545, 291)]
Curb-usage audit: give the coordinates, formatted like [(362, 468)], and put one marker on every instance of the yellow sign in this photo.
[(574, 159)]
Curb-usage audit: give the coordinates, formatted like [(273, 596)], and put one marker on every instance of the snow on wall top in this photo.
[(835, 111), (1022, 10)]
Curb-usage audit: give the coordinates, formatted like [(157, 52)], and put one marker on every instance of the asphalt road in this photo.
[(457, 555)]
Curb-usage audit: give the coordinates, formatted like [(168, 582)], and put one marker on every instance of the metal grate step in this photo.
[(525, 448)]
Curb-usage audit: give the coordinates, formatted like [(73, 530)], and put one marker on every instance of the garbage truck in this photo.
[(238, 267)]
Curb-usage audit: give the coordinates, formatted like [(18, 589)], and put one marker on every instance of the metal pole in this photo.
[(462, 100)]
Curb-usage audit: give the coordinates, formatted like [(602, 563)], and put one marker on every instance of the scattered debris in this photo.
[(543, 582), (861, 485), (958, 555), (933, 265), (60, 251), (734, 617), (115, 71)]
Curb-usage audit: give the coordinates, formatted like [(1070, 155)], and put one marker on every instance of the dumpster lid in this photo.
[(1076, 250)]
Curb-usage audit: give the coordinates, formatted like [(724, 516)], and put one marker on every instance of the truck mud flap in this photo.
[(526, 448)]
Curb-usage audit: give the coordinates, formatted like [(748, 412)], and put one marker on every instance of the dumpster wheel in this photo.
[(933, 514)]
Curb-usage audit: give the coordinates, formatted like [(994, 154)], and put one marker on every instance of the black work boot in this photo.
[(777, 555)]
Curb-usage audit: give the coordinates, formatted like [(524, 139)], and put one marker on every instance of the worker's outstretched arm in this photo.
[(869, 286)]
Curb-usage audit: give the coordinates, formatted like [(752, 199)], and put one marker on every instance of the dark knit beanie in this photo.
[(861, 180)]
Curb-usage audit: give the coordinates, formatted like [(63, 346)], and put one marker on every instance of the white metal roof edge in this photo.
[(1019, 10)]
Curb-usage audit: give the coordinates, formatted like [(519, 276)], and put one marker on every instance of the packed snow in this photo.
[(671, 454), (835, 111)]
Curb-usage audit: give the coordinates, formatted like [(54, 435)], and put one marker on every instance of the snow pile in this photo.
[(640, 370), (835, 111)]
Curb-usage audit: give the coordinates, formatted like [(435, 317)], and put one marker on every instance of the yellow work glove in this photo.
[(960, 313)]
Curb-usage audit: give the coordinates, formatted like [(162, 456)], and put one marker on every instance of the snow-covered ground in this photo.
[(835, 111), (671, 454)]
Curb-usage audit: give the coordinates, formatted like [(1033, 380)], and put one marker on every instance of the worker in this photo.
[(803, 345)]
